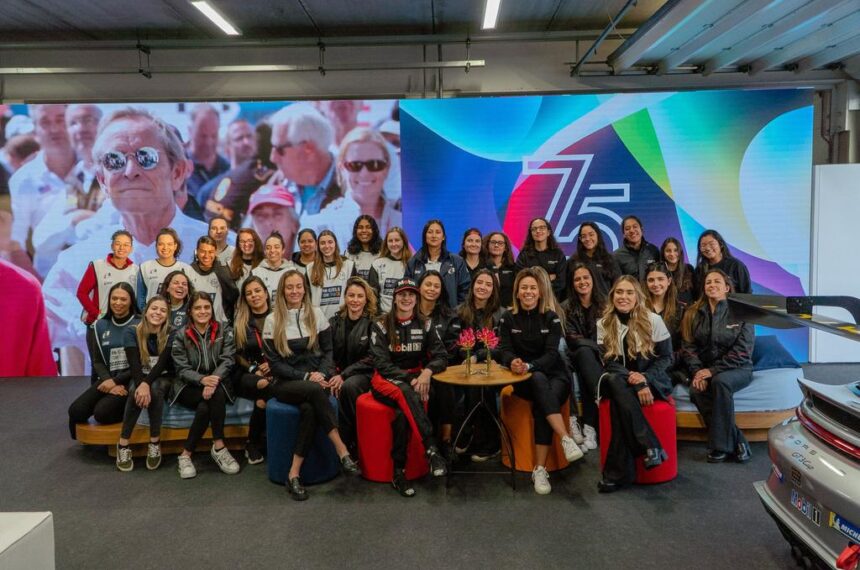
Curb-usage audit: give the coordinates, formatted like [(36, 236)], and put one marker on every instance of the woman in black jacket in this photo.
[(252, 376), (105, 398), (582, 310), (683, 274), (635, 254), (591, 251), (147, 348), (541, 249), (203, 354), (636, 349), (470, 251), (406, 353), (714, 254), (530, 334), (210, 275), (433, 255), (500, 261), (717, 349), (350, 331), (298, 347)]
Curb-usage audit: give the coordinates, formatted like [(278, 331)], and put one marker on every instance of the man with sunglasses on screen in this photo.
[(140, 166)]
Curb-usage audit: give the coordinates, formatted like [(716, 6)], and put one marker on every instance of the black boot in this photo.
[(401, 484)]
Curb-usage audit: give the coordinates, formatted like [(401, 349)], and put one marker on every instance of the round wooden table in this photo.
[(498, 376)]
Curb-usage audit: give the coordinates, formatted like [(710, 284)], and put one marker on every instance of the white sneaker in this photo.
[(571, 450), (575, 432), (590, 436), (541, 481), (225, 461), (186, 467)]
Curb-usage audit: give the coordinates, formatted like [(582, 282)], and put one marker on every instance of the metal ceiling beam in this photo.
[(829, 34), (714, 30), (811, 14), (611, 26), (345, 41), (831, 54), (655, 31)]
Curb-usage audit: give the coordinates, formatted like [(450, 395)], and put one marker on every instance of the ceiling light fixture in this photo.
[(491, 14), (216, 17)]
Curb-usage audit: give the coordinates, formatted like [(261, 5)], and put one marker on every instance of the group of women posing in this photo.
[(260, 325)]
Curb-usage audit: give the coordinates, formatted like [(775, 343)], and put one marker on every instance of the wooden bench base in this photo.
[(755, 425), (171, 438)]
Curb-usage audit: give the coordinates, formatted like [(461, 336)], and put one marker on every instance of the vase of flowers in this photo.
[(467, 343), (490, 340)]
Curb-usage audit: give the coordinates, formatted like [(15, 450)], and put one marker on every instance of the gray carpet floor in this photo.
[(709, 517)]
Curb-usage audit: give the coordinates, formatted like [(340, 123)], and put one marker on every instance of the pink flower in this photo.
[(467, 339), (488, 338)]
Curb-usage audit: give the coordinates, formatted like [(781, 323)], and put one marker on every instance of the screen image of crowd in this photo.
[(176, 275)]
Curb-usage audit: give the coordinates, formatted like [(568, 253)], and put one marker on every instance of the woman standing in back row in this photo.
[(540, 249)]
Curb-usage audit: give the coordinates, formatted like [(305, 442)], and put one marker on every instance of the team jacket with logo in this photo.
[(329, 295), (152, 275), (532, 337), (384, 275), (720, 341), (415, 347)]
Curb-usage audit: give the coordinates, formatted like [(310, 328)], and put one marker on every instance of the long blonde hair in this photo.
[(551, 300), (639, 325), (144, 329), (280, 311), (317, 275), (543, 303)]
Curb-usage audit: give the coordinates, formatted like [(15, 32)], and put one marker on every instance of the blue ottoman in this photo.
[(282, 427)]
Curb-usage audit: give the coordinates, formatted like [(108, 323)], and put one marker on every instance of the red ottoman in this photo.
[(373, 423), (661, 416)]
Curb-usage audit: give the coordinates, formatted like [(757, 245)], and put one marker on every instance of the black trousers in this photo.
[(352, 388), (586, 363), (246, 385), (631, 432), (401, 397), (485, 433), (157, 390), (212, 411), (717, 405), (104, 408), (547, 394), (443, 403), (314, 407)]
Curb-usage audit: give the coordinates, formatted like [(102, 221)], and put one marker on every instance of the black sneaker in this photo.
[(401, 484), (253, 453), (438, 465)]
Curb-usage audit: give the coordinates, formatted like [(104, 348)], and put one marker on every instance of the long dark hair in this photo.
[(442, 306), (551, 243), (424, 237), (670, 300), (466, 234), (162, 289), (389, 320), (507, 256), (601, 254), (691, 312), (237, 264), (133, 310), (243, 312), (680, 274), (468, 312), (724, 248), (318, 274), (354, 246), (598, 299)]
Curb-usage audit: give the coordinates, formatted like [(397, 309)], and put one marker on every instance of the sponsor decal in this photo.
[(849, 529), (806, 507), (796, 478)]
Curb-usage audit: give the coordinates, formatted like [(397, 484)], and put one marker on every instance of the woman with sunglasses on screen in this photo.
[(499, 258), (168, 246), (105, 398), (591, 250), (470, 250), (481, 310), (273, 267), (529, 337), (635, 254), (390, 266), (582, 309), (364, 246), (406, 354), (177, 289), (247, 255), (328, 274), (208, 275), (683, 274), (364, 163), (717, 350), (147, 348), (350, 331), (541, 250), (203, 354), (298, 346), (433, 255), (102, 274), (252, 375), (714, 254), (636, 350)]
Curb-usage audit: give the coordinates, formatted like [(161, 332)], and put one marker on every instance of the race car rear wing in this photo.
[(780, 312)]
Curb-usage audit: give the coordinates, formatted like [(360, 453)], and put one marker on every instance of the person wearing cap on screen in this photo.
[(273, 209)]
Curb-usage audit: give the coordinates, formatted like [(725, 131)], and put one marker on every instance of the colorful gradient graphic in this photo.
[(739, 162)]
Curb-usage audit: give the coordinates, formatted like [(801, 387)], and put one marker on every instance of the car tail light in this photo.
[(829, 438), (849, 558)]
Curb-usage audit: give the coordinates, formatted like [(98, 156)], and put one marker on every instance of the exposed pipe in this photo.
[(574, 71)]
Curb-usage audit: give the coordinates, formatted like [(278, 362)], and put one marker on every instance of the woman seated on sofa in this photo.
[(717, 350)]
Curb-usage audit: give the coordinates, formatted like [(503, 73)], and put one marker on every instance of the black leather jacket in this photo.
[(351, 352), (720, 341)]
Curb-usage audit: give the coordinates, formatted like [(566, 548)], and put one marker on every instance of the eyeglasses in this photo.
[(281, 147), (114, 160), (370, 165), (709, 245), (536, 229), (497, 242)]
